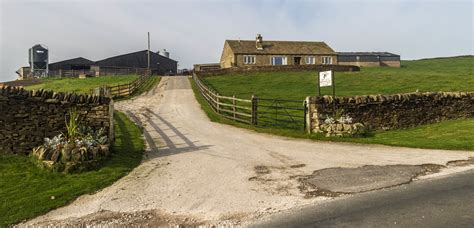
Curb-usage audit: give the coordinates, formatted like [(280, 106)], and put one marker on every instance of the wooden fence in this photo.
[(122, 89), (237, 109), (262, 112)]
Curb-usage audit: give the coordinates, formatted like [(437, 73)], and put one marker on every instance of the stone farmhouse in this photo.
[(251, 53), (248, 53)]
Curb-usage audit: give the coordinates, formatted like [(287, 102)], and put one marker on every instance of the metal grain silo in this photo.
[(38, 57)]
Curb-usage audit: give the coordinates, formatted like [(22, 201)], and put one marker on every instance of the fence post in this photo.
[(217, 102), (233, 106), (254, 110), (305, 107)]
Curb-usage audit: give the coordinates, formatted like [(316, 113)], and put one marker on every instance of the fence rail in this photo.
[(230, 107), (123, 89), (262, 112)]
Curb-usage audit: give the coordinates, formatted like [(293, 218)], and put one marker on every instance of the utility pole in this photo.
[(148, 68)]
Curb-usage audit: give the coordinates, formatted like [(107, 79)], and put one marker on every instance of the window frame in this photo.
[(313, 58), (326, 60), (284, 60), (250, 59)]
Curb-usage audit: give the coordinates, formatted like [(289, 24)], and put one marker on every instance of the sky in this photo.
[(195, 31)]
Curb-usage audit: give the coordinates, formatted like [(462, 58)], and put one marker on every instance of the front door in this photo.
[(297, 60)]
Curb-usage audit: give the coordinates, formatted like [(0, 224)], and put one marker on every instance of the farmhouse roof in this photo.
[(280, 47)]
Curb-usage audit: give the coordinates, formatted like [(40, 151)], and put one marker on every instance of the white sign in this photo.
[(325, 78)]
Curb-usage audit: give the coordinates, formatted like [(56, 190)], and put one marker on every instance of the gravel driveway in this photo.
[(199, 172)]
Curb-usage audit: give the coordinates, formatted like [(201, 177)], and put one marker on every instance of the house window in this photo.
[(326, 60), (310, 60), (279, 60), (249, 59)]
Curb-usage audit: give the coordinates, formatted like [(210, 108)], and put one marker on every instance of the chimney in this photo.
[(259, 42)]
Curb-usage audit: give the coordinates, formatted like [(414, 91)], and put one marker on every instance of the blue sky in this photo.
[(194, 31)]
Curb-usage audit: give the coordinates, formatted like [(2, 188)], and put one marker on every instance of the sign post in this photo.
[(326, 79)]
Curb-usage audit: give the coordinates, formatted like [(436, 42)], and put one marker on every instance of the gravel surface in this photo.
[(199, 172)]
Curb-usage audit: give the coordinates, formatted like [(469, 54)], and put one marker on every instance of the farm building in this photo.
[(159, 63), (72, 64), (248, 53), (368, 59)]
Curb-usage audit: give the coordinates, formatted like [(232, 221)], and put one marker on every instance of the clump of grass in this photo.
[(72, 125)]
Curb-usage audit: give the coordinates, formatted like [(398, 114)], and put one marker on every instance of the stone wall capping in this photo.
[(287, 68)]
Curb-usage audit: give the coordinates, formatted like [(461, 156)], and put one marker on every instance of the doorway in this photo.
[(297, 60)]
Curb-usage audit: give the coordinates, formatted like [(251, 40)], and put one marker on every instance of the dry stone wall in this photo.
[(27, 117), (288, 68), (379, 112)]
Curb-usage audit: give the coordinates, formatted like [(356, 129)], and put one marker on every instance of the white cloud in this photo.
[(194, 31)]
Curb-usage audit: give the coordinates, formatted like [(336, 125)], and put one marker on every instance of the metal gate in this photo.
[(286, 114)]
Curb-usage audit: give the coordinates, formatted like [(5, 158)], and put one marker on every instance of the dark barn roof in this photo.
[(137, 59), (366, 56), (280, 47), (158, 63), (69, 64)]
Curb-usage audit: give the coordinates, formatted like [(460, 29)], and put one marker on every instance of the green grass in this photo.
[(81, 85), (26, 190), (427, 75), (442, 74)]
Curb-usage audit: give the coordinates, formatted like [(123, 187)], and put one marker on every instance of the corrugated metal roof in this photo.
[(387, 54), (132, 54), (78, 60), (280, 47)]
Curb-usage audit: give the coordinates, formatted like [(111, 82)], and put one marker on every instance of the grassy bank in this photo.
[(149, 84), (81, 85), (449, 135), (443, 74), (26, 191)]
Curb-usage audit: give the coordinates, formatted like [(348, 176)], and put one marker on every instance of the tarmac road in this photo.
[(442, 202)]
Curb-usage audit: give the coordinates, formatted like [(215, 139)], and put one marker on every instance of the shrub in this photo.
[(81, 149)]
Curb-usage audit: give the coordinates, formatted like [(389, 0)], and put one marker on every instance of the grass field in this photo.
[(81, 85), (26, 191), (449, 135), (443, 74)]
